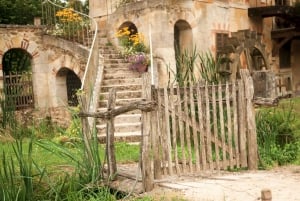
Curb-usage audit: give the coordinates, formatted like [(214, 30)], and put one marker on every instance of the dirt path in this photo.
[(284, 183)]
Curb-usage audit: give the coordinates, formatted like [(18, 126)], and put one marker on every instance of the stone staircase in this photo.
[(128, 89)]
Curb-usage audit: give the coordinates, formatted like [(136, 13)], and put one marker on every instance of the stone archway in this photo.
[(131, 27), (67, 84), (243, 50), (17, 79)]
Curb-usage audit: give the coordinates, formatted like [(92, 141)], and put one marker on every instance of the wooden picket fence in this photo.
[(200, 127), (188, 129)]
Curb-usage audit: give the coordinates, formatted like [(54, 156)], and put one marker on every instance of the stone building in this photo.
[(53, 62), (206, 24)]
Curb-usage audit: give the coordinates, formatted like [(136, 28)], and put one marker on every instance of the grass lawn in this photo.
[(125, 153)]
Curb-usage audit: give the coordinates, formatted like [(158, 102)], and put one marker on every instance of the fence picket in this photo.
[(174, 129), (222, 125), (201, 125), (161, 129), (187, 130), (208, 129), (235, 125), (156, 134), (242, 125), (181, 131), (194, 129), (168, 132), (229, 124), (215, 129)]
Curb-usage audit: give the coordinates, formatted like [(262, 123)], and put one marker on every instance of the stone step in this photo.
[(115, 61), (130, 87), (108, 50), (126, 81), (121, 127), (112, 56), (123, 137), (121, 75), (123, 95), (117, 66), (121, 70), (103, 41)]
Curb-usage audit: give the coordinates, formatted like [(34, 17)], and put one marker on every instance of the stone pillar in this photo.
[(37, 21)]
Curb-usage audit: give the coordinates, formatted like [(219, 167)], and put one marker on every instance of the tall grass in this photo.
[(193, 66), (17, 173)]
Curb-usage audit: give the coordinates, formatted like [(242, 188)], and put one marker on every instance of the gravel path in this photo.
[(284, 183)]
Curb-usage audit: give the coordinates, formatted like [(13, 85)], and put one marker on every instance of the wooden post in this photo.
[(147, 173), (86, 130), (251, 126), (242, 124), (266, 195), (110, 135)]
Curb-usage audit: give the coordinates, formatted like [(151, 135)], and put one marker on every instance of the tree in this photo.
[(19, 11), (22, 12)]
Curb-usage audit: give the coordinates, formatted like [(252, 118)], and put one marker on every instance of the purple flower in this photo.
[(137, 60)]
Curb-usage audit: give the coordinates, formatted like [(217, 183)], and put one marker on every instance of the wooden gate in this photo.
[(203, 127), (18, 91)]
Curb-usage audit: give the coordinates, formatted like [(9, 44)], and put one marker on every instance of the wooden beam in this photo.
[(277, 46), (145, 106)]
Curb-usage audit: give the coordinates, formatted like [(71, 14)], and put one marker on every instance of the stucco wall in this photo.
[(206, 18)]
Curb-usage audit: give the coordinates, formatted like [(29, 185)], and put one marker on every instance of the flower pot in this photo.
[(141, 68)]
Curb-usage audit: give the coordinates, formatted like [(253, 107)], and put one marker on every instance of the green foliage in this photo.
[(17, 173), (277, 141), (209, 68), (58, 172), (186, 66), (20, 12), (193, 66), (16, 60)]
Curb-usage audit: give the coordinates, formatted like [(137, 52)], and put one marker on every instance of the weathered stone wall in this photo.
[(49, 56), (295, 61), (205, 18)]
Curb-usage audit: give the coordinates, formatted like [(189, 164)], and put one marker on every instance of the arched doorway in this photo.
[(183, 36), (17, 79), (67, 84), (183, 45)]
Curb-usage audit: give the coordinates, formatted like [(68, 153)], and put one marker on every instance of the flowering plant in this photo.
[(131, 42), (68, 15), (139, 62), (133, 48)]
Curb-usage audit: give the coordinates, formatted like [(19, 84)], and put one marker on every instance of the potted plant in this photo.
[(133, 49), (138, 62)]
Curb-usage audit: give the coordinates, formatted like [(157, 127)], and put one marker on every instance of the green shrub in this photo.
[(277, 141)]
